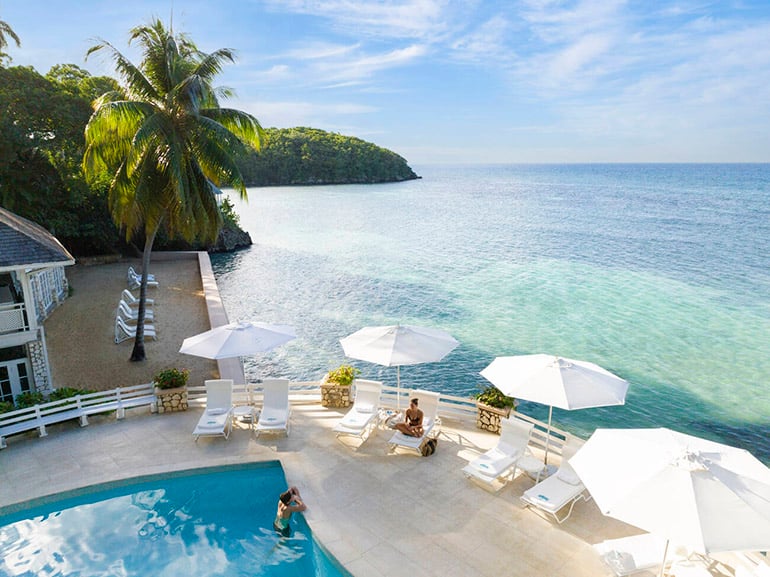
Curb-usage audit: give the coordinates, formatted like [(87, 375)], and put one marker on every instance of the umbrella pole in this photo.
[(548, 435), (398, 388), (663, 563)]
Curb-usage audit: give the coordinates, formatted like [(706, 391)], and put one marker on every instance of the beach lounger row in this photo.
[(274, 417), (134, 279), (217, 417), (554, 496), (127, 314)]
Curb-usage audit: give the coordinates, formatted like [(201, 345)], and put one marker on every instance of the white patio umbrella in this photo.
[(396, 345), (556, 382), (697, 493), (239, 339)]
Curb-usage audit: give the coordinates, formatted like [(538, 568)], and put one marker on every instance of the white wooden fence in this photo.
[(79, 407)]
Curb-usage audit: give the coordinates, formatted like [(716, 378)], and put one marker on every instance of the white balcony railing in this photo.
[(13, 318)]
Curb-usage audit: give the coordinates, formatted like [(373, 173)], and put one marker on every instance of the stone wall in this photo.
[(171, 400), (488, 418), (37, 358), (335, 396)]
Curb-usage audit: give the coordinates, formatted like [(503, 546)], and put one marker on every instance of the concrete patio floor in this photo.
[(377, 513)]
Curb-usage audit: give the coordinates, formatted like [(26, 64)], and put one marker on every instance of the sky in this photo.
[(464, 81)]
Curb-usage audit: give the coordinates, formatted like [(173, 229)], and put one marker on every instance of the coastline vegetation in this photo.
[(293, 156), (42, 125)]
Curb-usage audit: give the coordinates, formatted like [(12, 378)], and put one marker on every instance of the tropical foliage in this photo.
[(492, 396), (171, 378), (166, 144), (343, 375), (311, 156), (6, 32)]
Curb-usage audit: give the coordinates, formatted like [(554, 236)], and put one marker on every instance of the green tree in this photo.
[(6, 30), (167, 145)]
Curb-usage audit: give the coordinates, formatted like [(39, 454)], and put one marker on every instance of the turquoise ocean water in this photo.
[(659, 273)]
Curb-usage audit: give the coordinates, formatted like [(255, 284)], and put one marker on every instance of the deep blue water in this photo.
[(659, 273), (198, 522)]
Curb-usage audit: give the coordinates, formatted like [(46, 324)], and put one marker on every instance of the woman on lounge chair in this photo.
[(289, 502), (412, 424)]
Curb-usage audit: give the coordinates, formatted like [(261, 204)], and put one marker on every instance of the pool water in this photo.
[(215, 521)]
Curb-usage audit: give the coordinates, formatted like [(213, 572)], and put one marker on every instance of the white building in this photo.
[(32, 284)]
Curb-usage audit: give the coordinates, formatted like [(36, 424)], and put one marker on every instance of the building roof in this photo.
[(24, 244)]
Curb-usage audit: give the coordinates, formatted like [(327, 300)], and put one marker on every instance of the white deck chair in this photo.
[(362, 417), (217, 418), (276, 410), (133, 301), (124, 331), (135, 279), (132, 314), (558, 491), (629, 555), (497, 466), (428, 402)]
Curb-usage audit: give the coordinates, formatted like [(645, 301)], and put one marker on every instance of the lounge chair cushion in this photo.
[(216, 421), (365, 408), (568, 475), (355, 420), (495, 462), (552, 493)]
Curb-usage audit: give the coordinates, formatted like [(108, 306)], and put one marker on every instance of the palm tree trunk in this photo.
[(138, 354)]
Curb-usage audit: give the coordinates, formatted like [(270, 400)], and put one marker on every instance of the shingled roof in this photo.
[(26, 244)]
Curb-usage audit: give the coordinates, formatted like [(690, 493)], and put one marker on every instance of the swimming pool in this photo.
[(213, 521)]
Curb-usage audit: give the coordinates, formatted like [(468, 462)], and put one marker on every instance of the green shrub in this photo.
[(171, 378), (29, 399), (66, 393), (6, 407), (492, 396), (343, 375)]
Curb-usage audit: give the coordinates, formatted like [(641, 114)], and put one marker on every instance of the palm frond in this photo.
[(211, 64), (6, 30), (136, 83), (242, 124)]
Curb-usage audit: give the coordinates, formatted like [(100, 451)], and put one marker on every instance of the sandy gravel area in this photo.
[(81, 333)]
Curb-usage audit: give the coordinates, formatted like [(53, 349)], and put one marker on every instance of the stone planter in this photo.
[(488, 418), (334, 395), (171, 400)]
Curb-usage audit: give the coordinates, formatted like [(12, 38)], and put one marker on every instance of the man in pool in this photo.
[(290, 501)]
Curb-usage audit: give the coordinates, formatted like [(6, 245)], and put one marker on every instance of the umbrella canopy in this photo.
[(556, 382), (697, 493), (237, 340), (396, 345)]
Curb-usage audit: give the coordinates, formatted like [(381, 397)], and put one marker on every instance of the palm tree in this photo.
[(6, 30), (166, 144)]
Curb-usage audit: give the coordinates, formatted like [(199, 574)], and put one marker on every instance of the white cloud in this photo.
[(390, 18)]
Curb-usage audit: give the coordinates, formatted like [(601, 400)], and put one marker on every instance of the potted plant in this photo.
[(492, 406), (335, 387), (171, 389)]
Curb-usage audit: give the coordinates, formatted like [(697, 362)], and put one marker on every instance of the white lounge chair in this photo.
[(361, 419), (217, 418), (135, 279), (428, 402), (629, 555), (133, 301), (132, 314), (497, 466), (124, 331), (561, 489), (276, 410)]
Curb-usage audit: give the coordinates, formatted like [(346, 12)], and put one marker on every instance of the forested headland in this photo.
[(292, 156), (42, 123)]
